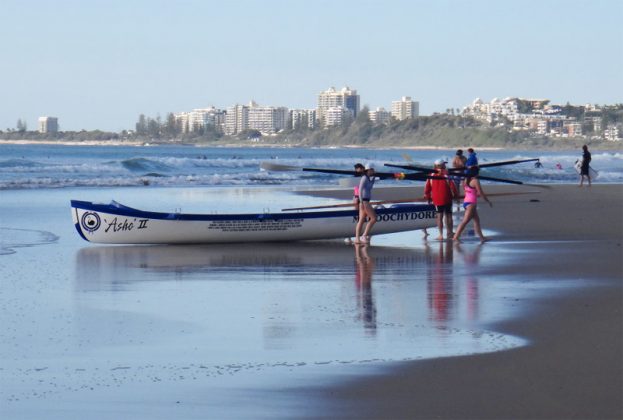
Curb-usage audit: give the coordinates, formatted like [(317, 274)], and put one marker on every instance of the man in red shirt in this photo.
[(440, 192)]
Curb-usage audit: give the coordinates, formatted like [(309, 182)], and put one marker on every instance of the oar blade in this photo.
[(330, 171), (270, 166), (409, 167), (493, 164)]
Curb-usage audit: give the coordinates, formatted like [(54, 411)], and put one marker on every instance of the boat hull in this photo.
[(118, 224)]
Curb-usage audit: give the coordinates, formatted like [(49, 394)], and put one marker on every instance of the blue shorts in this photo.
[(466, 205)]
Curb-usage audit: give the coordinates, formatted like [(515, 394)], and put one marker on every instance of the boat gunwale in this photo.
[(122, 210)]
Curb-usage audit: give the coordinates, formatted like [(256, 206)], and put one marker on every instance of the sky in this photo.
[(100, 64)]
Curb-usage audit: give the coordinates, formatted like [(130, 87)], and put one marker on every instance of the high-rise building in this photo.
[(203, 117), (267, 119), (405, 108), (302, 118), (346, 98), (48, 124), (336, 116), (379, 116), (237, 119)]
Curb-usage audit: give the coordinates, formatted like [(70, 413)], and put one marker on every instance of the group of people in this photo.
[(440, 191)]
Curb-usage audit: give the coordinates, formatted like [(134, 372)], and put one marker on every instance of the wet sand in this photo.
[(573, 367)]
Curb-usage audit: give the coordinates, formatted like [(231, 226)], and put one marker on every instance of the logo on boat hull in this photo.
[(90, 221)]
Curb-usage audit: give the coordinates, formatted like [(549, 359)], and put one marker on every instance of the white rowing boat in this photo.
[(115, 223)]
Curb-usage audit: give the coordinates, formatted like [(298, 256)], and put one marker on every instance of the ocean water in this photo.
[(225, 331), (218, 331), (55, 166)]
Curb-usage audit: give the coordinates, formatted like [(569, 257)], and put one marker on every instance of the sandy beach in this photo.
[(527, 325), (573, 366)]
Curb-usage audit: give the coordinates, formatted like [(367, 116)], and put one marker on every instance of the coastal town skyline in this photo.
[(99, 66), (340, 107)]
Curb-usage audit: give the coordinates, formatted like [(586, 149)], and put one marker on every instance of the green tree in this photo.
[(171, 128), (21, 125), (141, 125)]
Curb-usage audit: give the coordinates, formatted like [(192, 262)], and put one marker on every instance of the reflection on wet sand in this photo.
[(444, 285), (109, 267), (471, 259), (440, 281), (363, 282)]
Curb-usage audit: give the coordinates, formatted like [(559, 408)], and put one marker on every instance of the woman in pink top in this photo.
[(472, 191)]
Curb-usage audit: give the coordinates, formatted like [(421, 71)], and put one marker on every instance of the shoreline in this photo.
[(573, 366)]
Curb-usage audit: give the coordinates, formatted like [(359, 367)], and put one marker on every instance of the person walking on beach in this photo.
[(359, 170), (472, 191), (441, 192), (366, 211), (585, 168)]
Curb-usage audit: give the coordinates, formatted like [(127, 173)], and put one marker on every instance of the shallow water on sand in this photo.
[(215, 330)]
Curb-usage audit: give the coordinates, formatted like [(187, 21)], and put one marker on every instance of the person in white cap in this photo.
[(441, 192), (366, 211)]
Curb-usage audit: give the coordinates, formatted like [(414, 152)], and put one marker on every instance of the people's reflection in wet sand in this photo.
[(440, 281), (364, 267), (471, 258)]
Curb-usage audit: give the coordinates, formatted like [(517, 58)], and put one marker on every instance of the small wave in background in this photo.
[(45, 166)]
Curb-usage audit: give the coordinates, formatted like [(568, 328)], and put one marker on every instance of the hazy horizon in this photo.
[(98, 65)]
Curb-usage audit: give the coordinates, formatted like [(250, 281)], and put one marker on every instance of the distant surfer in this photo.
[(585, 166), (366, 211), (558, 166), (472, 191), (538, 164)]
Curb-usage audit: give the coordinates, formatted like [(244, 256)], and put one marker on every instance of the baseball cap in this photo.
[(440, 162), (369, 166)]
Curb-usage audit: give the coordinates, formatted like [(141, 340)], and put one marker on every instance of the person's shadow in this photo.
[(364, 268)]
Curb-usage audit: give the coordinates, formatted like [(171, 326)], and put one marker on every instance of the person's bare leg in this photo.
[(371, 221), (466, 218), (477, 227), (360, 222), (439, 218), (449, 225)]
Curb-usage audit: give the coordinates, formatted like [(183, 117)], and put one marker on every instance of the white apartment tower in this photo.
[(201, 118), (267, 119), (346, 98), (405, 108), (379, 116), (336, 116), (237, 119), (48, 124), (302, 118)]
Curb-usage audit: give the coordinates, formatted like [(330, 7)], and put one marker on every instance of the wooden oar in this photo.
[(492, 164), (484, 165), (268, 166), (410, 167), (374, 203), (411, 200)]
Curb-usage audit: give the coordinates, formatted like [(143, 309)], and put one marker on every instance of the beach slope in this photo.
[(573, 366)]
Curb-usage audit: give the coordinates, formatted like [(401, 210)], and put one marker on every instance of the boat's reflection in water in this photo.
[(308, 302), (438, 276)]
